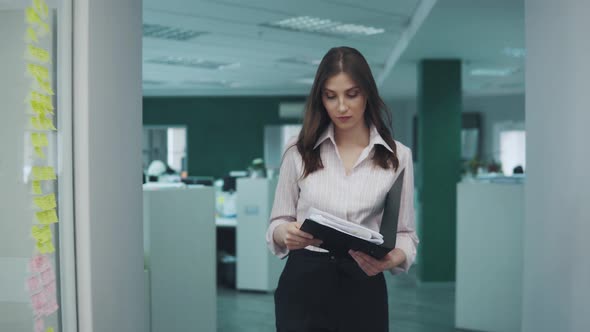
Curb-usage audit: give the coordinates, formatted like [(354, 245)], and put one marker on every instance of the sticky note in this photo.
[(50, 329), (48, 276), (39, 325), (34, 284), (39, 263), (43, 173), (39, 54), (37, 188), (45, 86), (47, 217), (50, 288), (50, 308), (41, 107), (47, 123), (34, 95), (39, 152), (38, 71), (45, 247), (36, 123), (46, 202), (41, 233), (32, 16), (41, 122), (39, 139), (41, 7), (38, 300), (31, 35)]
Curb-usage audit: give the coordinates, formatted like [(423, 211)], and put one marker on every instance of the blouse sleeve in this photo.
[(406, 239), (284, 209)]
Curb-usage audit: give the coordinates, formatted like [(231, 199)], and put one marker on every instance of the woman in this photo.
[(344, 162)]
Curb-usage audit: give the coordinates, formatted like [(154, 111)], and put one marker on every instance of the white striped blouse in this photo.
[(358, 197)]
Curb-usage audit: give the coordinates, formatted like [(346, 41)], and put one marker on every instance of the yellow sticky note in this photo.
[(39, 139), (31, 35), (32, 16), (45, 99), (42, 122), (45, 86), (47, 123), (37, 188), (45, 247), (39, 54), (41, 233), (47, 217), (49, 329), (43, 173), (41, 7), (44, 28), (40, 107), (46, 202), (39, 152), (38, 71)]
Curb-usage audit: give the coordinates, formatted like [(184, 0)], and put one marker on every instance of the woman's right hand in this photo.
[(290, 236)]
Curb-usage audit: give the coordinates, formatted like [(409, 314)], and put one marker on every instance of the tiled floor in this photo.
[(413, 308)]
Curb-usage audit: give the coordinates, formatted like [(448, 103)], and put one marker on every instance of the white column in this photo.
[(556, 289), (107, 163)]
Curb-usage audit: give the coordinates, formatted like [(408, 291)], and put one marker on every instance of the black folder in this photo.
[(339, 243)]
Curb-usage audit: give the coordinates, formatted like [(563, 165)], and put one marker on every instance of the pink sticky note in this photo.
[(50, 308), (39, 325), (50, 288), (39, 301), (34, 284), (39, 263), (47, 276)]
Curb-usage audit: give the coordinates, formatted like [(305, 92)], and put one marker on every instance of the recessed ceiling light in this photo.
[(193, 63), (514, 52), (495, 72), (169, 33), (323, 26)]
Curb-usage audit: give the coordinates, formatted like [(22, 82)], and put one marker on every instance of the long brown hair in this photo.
[(316, 120)]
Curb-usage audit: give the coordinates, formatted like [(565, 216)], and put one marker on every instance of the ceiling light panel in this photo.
[(493, 72), (323, 26), (192, 63), (169, 33)]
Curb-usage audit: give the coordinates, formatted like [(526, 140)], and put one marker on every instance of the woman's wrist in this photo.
[(278, 236), (397, 257)]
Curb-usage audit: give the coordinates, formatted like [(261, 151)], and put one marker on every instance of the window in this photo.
[(512, 150)]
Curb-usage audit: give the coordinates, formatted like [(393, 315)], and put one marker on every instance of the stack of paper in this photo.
[(345, 226)]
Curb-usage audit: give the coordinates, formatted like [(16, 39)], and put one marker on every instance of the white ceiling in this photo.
[(234, 35), (476, 31)]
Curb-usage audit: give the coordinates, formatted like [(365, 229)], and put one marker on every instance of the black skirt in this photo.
[(321, 292)]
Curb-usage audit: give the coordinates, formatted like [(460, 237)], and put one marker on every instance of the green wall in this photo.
[(224, 133)]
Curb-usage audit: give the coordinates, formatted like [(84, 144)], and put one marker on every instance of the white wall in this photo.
[(108, 165), (494, 109), (556, 294)]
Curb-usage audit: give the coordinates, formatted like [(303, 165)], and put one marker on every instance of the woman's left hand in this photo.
[(373, 266)]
